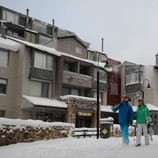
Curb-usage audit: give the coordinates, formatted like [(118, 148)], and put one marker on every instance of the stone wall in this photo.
[(16, 131)]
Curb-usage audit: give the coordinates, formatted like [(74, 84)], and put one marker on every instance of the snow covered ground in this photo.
[(80, 148)]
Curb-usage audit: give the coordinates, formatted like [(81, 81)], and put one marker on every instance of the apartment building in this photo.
[(141, 81), (39, 63)]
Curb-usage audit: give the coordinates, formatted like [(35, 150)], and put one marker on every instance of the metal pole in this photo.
[(98, 103), (143, 94)]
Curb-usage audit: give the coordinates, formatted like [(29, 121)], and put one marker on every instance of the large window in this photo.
[(38, 89), (132, 78), (73, 66), (66, 46), (43, 61), (2, 113), (3, 86), (114, 89), (10, 17), (3, 58), (100, 96), (102, 75), (70, 91), (79, 50)]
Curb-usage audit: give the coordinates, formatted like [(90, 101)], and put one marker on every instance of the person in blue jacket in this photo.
[(125, 117)]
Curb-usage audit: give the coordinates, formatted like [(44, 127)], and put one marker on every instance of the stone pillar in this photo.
[(71, 112)]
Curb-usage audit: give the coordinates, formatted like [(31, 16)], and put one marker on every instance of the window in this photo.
[(114, 89), (43, 61), (3, 86), (49, 62), (74, 92), (66, 66), (73, 67), (4, 58), (65, 91), (100, 96), (70, 91), (10, 17), (2, 113), (79, 50), (91, 56), (102, 75), (132, 78), (38, 89), (66, 46)]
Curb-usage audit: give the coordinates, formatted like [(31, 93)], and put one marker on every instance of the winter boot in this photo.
[(137, 145)]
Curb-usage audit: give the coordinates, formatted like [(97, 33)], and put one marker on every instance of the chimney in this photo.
[(102, 44), (27, 12), (53, 21), (27, 19)]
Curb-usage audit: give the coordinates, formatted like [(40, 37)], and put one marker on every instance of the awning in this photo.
[(29, 101)]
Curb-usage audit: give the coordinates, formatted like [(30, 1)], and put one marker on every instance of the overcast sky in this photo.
[(129, 27)]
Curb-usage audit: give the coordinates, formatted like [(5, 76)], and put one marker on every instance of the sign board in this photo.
[(84, 114)]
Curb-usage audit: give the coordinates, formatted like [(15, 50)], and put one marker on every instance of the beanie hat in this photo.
[(142, 100)]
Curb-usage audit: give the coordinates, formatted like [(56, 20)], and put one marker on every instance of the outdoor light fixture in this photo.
[(109, 69), (148, 87)]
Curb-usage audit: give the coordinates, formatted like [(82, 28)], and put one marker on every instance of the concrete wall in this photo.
[(150, 95), (8, 101), (73, 44)]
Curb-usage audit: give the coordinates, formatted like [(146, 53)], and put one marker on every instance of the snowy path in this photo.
[(80, 148)]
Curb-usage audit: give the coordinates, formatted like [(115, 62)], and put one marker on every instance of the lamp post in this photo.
[(148, 87), (107, 68)]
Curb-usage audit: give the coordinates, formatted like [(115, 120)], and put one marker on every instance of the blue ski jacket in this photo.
[(126, 114)]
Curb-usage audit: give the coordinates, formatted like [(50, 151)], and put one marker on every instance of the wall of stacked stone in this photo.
[(16, 131)]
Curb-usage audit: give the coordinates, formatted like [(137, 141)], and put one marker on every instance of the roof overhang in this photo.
[(9, 45), (29, 102)]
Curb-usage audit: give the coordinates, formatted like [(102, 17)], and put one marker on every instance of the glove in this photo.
[(112, 107), (130, 123)]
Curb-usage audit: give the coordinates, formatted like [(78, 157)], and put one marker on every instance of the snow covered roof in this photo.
[(57, 53), (105, 108), (9, 44), (78, 97), (45, 102), (84, 43), (38, 46)]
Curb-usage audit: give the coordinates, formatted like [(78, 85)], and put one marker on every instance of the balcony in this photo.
[(133, 87), (102, 85), (72, 78), (41, 74)]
